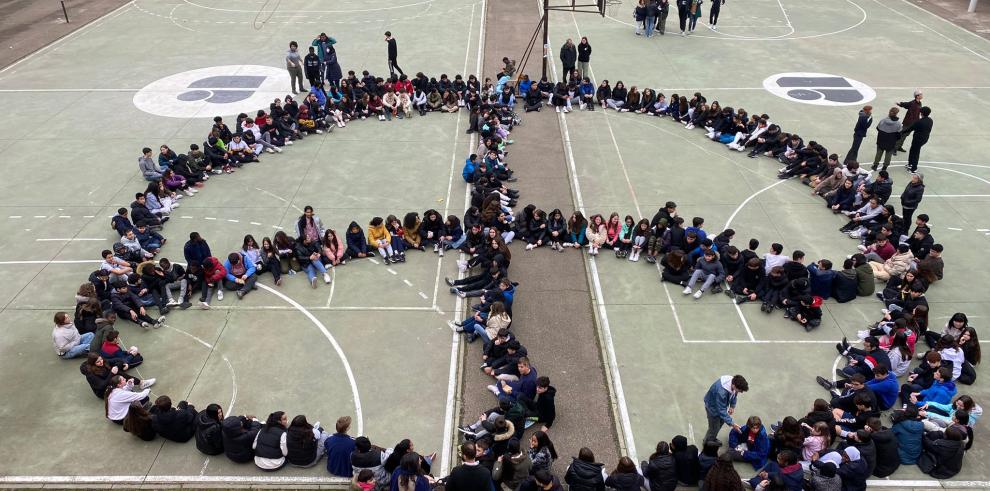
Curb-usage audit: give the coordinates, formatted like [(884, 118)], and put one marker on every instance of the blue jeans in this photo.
[(651, 22), (313, 267), (80, 349), (457, 243)]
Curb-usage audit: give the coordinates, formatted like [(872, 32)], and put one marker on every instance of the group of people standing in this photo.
[(651, 15)]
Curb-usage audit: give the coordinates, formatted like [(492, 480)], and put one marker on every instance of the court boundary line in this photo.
[(932, 30)]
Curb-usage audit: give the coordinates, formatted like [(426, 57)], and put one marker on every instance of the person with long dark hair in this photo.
[(409, 475), (209, 433), (138, 422), (270, 447), (304, 443), (173, 423), (722, 476), (119, 395)]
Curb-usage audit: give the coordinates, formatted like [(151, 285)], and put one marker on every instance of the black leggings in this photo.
[(682, 17), (713, 12)]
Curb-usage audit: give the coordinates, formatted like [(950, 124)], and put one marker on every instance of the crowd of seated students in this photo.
[(906, 261)]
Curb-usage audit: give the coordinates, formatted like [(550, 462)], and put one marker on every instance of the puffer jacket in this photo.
[(209, 434), (584, 476), (661, 472), (238, 438), (177, 424), (897, 265), (378, 233), (888, 131)]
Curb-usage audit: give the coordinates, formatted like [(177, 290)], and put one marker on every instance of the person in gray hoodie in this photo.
[(709, 268), (148, 167), (888, 131)]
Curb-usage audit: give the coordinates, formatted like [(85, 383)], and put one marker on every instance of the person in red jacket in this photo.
[(213, 275)]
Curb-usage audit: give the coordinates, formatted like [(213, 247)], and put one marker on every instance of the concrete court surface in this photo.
[(669, 347), (275, 349)]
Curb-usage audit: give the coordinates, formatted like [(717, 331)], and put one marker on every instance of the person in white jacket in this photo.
[(67, 340), (419, 101), (120, 394)]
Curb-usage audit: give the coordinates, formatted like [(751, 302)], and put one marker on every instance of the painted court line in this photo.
[(70, 239), (925, 26)]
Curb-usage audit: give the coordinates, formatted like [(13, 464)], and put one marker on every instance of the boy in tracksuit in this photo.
[(808, 313), (707, 267)]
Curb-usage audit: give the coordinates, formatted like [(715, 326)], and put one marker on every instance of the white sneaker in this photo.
[(865, 333), (462, 265), (269, 150), (188, 192), (278, 149), (319, 132), (689, 126), (172, 302), (558, 108), (529, 247), (861, 247), (436, 248), (568, 244), (687, 290), (440, 252), (204, 305), (566, 110), (493, 389), (288, 142), (219, 295), (698, 294), (326, 278), (148, 382)]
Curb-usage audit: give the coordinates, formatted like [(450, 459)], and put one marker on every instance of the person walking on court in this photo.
[(393, 55), (584, 57), (568, 58), (922, 129), (662, 16), (888, 130), (683, 11), (911, 197), (713, 13), (863, 124), (328, 57), (913, 114), (294, 64), (720, 403)]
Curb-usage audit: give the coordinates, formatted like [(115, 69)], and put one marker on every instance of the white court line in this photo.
[(613, 366), (375, 9), (233, 392), (425, 297), (171, 17), (194, 337), (446, 455), (955, 171), (336, 346), (925, 26), (757, 341), (409, 283), (954, 228), (333, 284), (280, 199), (70, 239), (957, 195), (779, 36), (673, 310), (94, 22)]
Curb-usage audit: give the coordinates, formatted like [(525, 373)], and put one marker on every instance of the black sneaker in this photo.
[(184, 305), (827, 385), (448, 281), (387, 261)]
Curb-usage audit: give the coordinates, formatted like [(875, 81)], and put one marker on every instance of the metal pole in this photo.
[(546, 36), (66, 12), (972, 6)]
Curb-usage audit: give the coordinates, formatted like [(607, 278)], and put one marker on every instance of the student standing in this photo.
[(662, 18), (713, 13), (652, 12), (328, 57), (584, 57), (863, 124), (888, 130), (913, 108), (294, 64), (568, 57), (313, 68), (393, 54), (922, 129), (911, 197), (683, 10), (720, 403)]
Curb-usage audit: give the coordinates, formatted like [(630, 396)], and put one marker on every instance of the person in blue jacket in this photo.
[(884, 385), (941, 391), (750, 443), (587, 90), (720, 403), (786, 472), (909, 430), (241, 275), (357, 244), (820, 277), (196, 250), (339, 447)]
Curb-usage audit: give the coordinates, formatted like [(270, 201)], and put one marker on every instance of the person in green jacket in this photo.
[(865, 283)]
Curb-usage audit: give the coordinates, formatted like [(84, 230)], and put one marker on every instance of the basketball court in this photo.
[(374, 344)]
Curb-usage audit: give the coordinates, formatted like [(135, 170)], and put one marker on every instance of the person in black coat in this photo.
[(863, 124), (686, 463), (238, 438), (922, 129), (173, 423), (887, 458), (943, 453), (912, 194), (393, 55), (661, 469), (209, 434), (568, 58), (584, 474)]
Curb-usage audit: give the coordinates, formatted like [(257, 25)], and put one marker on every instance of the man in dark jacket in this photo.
[(568, 58), (238, 437), (887, 459), (393, 55), (863, 124), (469, 476), (881, 187), (141, 214), (584, 474), (911, 196), (913, 114), (173, 423), (922, 129)]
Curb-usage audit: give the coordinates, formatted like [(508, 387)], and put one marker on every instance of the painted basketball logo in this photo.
[(820, 89), (213, 91)]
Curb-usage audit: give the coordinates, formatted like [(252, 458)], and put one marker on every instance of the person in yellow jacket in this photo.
[(379, 237)]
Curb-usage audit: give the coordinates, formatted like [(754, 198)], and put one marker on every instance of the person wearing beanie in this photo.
[(686, 463)]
